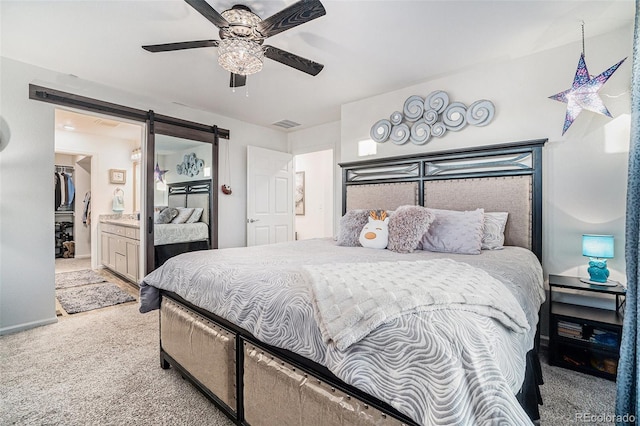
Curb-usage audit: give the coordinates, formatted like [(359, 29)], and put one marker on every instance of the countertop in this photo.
[(123, 220)]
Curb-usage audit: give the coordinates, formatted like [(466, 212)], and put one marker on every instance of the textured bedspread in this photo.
[(438, 367), (172, 233), (353, 299)]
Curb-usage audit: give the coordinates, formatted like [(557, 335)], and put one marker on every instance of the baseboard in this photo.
[(27, 326), (83, 256)]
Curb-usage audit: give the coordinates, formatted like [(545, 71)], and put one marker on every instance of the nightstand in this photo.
[(583, 338)]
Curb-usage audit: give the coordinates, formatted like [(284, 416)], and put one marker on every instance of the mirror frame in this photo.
[(169, 129)]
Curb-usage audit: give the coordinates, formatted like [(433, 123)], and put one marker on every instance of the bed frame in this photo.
[(249, 380), (189, 194)]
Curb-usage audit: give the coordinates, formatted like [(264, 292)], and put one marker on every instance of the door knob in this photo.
[(252, 220)]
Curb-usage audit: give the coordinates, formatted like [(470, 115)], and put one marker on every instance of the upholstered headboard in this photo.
[(192, 194), (505, 178)]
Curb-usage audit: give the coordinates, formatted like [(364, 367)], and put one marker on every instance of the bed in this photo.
[(248, 326), (171, 239)]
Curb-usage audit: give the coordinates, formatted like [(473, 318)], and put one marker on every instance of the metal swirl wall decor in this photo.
[(381, 130), (434, 115), (190, 166)]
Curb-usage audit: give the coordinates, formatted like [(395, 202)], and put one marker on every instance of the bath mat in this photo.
[(76, 278), (92, 296)]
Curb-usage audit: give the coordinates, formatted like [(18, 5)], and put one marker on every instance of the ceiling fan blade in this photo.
[(208, 12), (292, 60), (167, 47), (237, 80), (292, 16)]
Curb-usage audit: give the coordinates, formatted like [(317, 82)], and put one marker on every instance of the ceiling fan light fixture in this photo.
[(241, 20), (240, 56)]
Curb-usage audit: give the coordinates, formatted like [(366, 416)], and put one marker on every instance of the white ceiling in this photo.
[(367, 47)]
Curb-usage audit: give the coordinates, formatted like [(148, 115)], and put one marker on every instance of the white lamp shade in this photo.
[(599, 246)]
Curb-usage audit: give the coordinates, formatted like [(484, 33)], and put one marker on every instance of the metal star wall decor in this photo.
[(159, 174), (583, 93)]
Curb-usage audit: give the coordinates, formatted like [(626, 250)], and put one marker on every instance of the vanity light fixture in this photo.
[(136, 155)]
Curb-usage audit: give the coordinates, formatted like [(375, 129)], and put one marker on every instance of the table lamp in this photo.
[(598, 248)]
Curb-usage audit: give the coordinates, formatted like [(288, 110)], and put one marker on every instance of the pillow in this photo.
[(156, 212), (350, 226), (494, 224), (407, 226), (183, 214), (196, 215), (166, 215), (455, 232), (375, 233)]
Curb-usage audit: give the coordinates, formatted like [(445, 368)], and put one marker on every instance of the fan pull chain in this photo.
[(582, 23)]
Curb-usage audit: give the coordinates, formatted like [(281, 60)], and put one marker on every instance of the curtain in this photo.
[(627, 403)]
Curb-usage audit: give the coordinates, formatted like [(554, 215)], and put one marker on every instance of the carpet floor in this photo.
[(103, 368)]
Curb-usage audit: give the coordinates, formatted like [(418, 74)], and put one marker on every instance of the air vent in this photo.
[(106, 123), (286, 124)]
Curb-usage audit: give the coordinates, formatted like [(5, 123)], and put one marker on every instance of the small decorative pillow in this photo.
[(455, 232), (183, 214), (167, 215), (407, 226), (156, 212), (375, 233), (350, 226), (494, 224), (196, 215)]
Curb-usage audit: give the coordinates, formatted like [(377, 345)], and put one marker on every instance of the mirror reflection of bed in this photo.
[(189, 216), (183, 210)]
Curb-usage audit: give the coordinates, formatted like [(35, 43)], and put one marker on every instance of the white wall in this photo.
[(27, 295), (172, 160), (584, 170), (317, 221)]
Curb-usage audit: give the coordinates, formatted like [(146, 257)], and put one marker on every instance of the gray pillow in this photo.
[(455, 232), (350, 226), (166, 215), (407, 225), (156, 212), (493, 236), (183, 214)]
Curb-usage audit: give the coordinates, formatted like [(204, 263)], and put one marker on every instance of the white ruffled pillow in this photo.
[(494, 225), (455, 232), (196, 215), (183, 214)]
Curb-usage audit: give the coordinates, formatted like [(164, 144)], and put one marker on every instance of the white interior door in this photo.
[(270, 217)]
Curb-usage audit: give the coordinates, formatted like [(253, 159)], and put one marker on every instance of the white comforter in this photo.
[(438, 367), (173, 233)]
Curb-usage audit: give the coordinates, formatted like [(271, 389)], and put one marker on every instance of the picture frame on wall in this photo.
[(299, 183), (117, 176)]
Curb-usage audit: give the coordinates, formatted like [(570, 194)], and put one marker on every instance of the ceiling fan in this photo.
[(242, 34)]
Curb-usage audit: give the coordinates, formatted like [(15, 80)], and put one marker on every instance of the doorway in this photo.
[(88, 148), (314, 195)]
